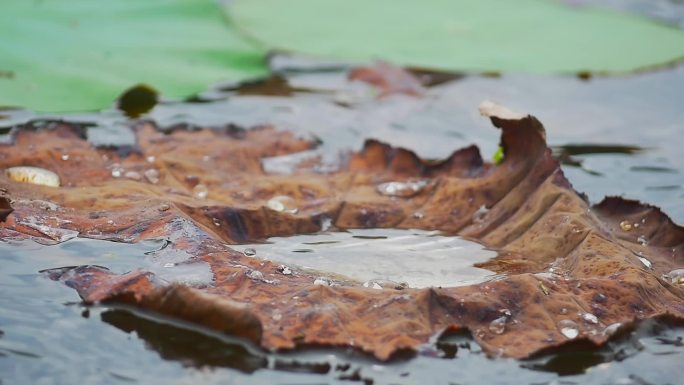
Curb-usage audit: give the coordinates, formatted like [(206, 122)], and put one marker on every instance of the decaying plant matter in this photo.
[(566, 270)]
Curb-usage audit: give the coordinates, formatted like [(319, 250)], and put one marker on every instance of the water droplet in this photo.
[(65, 156), (285, 270), (326, 223), (568, 328), (600, 298), (216, 222), (33, 175), (645, 262), (152, 175), (134, 175), (200, 191), (611, 329), (480, 213), (249, 252), (625, 225), (282, 203), (256, 275), (676, 276), (642, 240), (163, 207), (401, 189), (117, 170), (372, 285), (590, 318), (151, 159), (169, 265), (321, 281), (498, 326)]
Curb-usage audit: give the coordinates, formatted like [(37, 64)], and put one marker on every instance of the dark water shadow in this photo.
[(191, 347)]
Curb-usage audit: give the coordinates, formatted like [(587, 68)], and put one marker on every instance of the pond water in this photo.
[(618, 135), (48, 337)]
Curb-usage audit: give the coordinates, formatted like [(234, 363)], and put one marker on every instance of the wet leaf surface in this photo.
[(567, 270)]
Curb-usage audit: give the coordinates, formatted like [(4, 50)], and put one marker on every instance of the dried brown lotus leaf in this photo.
[(561, 261)]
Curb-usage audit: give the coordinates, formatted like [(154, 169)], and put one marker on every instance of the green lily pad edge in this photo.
[(80, 55), (532, 36)]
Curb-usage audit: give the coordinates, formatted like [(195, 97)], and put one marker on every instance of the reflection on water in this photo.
[(376, 257), (185, 345)]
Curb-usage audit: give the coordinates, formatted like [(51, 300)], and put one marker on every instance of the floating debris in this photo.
[(543, 288), (249, 252), (169, 265), (626, 225), (568, 328), (401, 189), (33, 175)]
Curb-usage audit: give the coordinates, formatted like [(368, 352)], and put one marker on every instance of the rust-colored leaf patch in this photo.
[(566, 270)]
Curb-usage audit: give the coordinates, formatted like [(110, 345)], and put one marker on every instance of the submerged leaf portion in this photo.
[(566, 270)]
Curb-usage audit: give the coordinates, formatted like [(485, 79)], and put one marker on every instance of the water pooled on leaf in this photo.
[(419, 258)]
